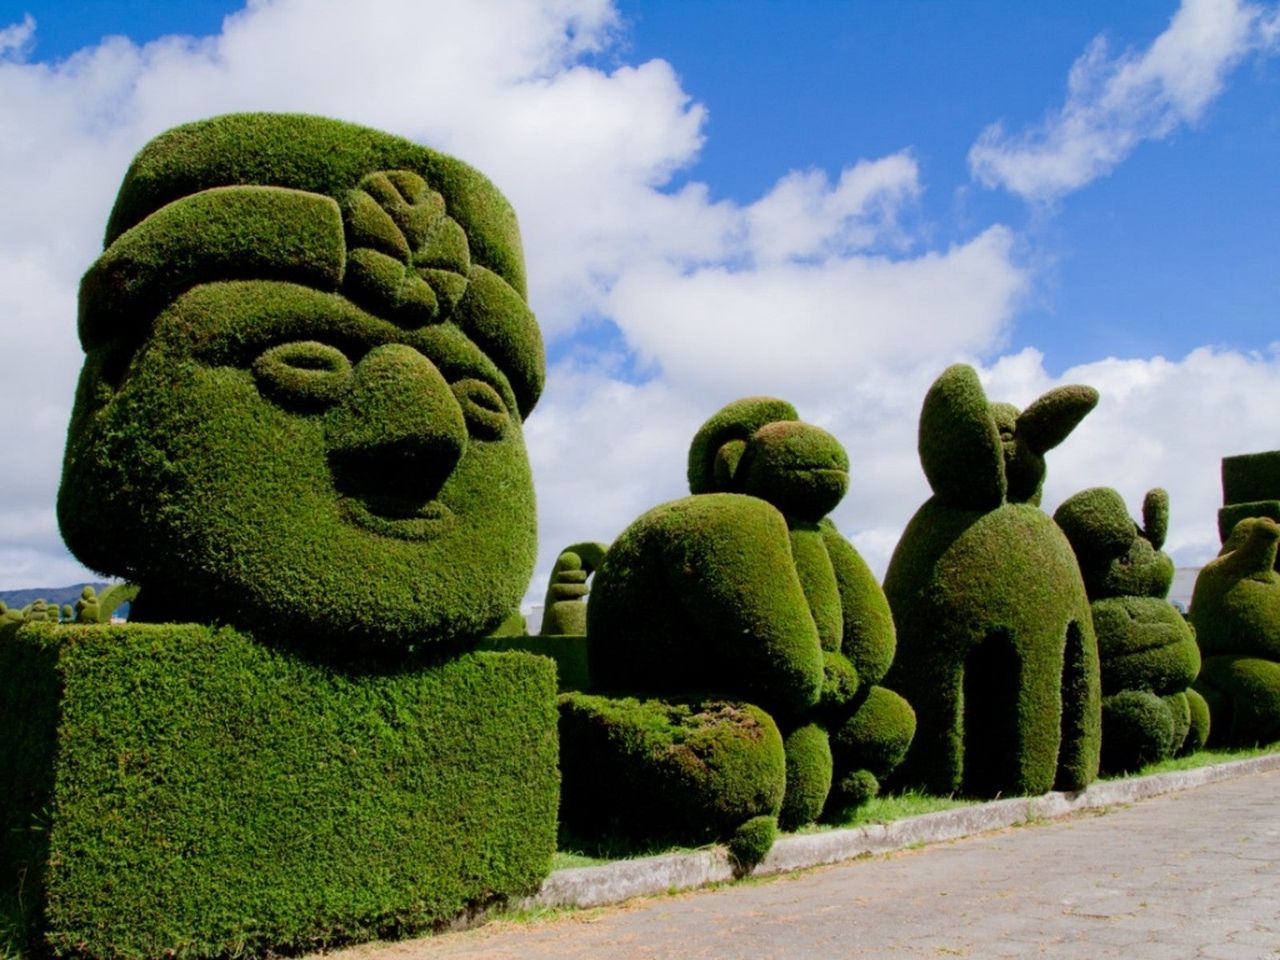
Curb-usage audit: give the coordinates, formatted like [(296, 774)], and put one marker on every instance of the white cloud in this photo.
[(1115, 103), (821, 290)]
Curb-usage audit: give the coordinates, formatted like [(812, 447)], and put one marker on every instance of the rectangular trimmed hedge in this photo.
[(181, 790)]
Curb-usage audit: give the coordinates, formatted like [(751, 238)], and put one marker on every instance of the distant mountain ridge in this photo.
[(17, 599)]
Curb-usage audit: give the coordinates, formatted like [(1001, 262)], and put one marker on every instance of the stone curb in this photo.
[(624, 879)]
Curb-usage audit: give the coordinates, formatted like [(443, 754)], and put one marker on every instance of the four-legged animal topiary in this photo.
[(1147, 650), (996, 649)]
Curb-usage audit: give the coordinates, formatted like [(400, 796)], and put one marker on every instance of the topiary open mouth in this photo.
[(396, 518)]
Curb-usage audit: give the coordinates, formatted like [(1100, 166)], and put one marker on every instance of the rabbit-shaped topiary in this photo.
[(745, 589), (1235, 609), (996, 649), (1147, 650)]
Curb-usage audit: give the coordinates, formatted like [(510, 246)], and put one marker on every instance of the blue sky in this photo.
[(693, 177)]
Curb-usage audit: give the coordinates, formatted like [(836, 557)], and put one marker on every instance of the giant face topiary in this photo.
[(1148, 652), (746, 589), (308, 357), (996, 649)]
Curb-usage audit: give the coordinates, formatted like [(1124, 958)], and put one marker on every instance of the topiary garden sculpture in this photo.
[(1147, 650), (308, 360), (996, 649), (746, 591), (1235, 609)]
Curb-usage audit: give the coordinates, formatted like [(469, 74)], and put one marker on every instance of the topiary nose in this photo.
[(399, 431)]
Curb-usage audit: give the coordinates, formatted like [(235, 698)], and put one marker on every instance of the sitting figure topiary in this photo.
[(996, 649), (1235, 609), (308, 361), (1147, 650), (747, 591)]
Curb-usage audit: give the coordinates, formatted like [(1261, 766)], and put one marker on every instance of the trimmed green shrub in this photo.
[(996, 650), (746, 589), (652, 770), (1231, 514), (564, 611), (1198, 720), (876, 735), (1235, 609), (569, 652), (808, 756), (185, 791), (1137, 728), (751, 842), (1251, 476), (308, 356), (1144, 644)]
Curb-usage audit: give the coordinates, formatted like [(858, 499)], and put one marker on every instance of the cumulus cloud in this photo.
[(824, 290), (1114, 103)]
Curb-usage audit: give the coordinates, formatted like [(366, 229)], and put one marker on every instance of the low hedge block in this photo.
[(569, 652), (1251, 476), (179, 790), (653, 770)]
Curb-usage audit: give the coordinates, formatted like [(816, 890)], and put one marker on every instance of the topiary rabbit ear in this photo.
[(1050, 419), (737, 421), (959, 443), (1155, 516)]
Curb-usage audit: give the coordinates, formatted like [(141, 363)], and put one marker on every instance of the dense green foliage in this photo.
[(1147, 650), (1250, 488), (569, 651), (564, 610), (809, 768), (747, 590), (182, 790), (1235, 609), (667, 770), (308, 359), (996, 650)]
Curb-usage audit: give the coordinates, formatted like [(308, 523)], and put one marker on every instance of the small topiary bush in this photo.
[(1144, 644), (1235, 609), (1250, 488), (186, 791), (809, 770), (996, 650), (667, 771), (564, 611)]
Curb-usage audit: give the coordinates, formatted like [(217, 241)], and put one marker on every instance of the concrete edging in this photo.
[(624, 879)]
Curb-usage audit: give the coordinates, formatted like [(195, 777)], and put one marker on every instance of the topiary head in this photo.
[(977, 454), (308, 359), (759, 446), (1117, 557)]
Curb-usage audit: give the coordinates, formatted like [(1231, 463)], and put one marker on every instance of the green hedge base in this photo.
[(182, 791)]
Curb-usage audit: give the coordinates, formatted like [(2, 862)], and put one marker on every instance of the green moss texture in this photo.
[(308, 359), (1148, 651), (667, 771), (185, 791), (1235, 609), (996, 649)]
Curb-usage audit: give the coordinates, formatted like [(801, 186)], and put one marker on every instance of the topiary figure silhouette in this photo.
[(1235, 609), (746, 589), (996, 649), (564, 611), (1147, 650)]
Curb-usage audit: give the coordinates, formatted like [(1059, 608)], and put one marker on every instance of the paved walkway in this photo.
[(1188, 875)]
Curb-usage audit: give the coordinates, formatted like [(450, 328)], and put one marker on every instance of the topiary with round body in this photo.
[(1235, 608), (1147, 650), (996, 650), (308, 356), (747, 589)]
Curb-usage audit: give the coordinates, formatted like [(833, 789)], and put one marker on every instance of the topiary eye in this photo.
[(303, 374), (482, 406)]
